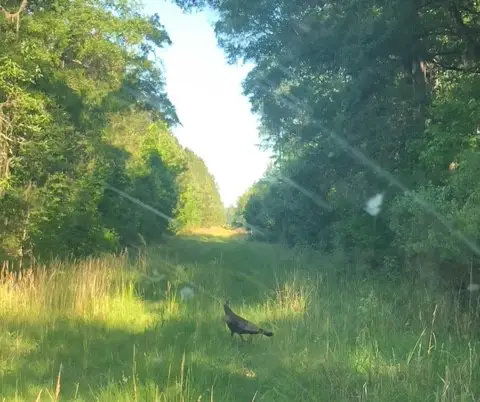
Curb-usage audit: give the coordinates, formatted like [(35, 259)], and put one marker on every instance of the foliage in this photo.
[(358, 98), (83, 116), (200, 204), (237, 218)]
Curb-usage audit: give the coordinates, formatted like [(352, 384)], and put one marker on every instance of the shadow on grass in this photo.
[(222, 269), (90, 355), (95, 358), (191, 353), (205, 249)]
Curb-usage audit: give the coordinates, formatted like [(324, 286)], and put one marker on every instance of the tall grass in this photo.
[(114, 329)]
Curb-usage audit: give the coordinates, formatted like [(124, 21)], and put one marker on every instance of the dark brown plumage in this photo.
[(240, 326)]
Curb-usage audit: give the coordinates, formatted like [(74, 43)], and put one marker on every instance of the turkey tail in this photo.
[(266, 333)]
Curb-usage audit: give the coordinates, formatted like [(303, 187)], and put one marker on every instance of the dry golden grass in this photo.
[(216, 232)]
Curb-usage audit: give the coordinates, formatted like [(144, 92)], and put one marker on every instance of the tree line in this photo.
[(356, 98), (85, 118)]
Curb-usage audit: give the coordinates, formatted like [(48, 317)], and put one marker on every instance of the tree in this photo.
[(356, 98), (200, 203), (84, 124)]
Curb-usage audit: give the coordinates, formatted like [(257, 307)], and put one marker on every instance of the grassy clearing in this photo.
[(114, 329), (216, 233)]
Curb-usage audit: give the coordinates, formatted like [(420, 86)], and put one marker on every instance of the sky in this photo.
[(217, 123)]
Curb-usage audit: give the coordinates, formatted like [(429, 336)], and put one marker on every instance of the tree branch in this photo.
[(14, 17), (455, 68)]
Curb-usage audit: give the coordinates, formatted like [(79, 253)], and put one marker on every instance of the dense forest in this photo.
[(359, 98), (85, 128), (356, 98)]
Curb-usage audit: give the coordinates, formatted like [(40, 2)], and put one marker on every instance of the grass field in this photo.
[(114, 329)]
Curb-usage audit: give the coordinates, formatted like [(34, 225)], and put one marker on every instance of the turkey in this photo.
[(241, 326)]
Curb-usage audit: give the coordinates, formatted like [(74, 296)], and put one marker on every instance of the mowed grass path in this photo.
[(115, 329)]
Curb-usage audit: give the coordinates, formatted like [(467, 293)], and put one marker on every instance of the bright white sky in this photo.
[(207, 93)]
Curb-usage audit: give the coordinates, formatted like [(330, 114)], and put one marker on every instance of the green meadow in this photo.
[(115, 329)]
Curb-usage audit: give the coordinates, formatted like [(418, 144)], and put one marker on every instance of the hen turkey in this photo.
[(239, 325)]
